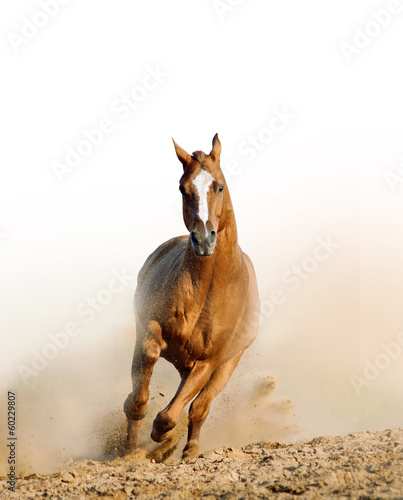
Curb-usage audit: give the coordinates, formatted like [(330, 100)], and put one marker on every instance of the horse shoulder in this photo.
[(163, 255)]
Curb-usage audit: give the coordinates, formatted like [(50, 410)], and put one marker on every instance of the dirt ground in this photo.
[(361, 465)]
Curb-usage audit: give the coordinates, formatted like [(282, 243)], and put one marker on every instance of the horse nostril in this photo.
[(213, 235), (194, 238)]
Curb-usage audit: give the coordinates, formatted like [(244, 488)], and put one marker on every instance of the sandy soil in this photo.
[(361, 465)]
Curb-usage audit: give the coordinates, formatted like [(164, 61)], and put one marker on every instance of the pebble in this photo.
[(67, 477), (360, 465)]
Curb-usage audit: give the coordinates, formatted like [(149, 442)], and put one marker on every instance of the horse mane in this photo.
[(199, 156)]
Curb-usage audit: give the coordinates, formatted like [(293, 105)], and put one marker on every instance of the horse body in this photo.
[(196, 304)]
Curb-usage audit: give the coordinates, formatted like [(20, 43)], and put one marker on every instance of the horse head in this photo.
[(204, 196)]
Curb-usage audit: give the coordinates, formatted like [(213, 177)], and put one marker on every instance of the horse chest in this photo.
[(189, 334)]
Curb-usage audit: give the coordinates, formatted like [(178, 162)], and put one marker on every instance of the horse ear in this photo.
[(183, 157), (216, 151)]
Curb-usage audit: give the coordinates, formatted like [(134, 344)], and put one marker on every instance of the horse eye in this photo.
[(221, 188)]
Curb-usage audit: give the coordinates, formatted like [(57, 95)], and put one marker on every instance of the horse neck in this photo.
[(225, 260)]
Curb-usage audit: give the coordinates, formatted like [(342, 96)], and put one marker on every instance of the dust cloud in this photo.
[(293, 383), (74, 407), (328, 356)]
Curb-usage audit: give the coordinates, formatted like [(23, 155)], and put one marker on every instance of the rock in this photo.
[(67, 477)]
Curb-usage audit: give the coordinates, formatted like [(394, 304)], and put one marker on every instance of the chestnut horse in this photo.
[(196, 304)]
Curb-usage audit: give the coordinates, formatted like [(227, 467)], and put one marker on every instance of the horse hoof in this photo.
[(162, 426), (130, 407), (160, 437), (192, 449)]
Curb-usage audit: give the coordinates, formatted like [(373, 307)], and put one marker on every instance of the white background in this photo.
[(322, 176)]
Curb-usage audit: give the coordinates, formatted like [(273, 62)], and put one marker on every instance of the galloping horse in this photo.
[(196, 304)]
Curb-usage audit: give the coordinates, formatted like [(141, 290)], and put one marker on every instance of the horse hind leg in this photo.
[(146, 354), (200, 407)]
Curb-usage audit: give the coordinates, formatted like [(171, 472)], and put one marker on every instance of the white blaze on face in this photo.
[(202, 183)]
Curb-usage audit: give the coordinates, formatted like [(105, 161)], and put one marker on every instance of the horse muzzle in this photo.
[(203, 239)]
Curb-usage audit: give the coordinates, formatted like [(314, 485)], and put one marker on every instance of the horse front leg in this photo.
[(191, 384), (146, 354)]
